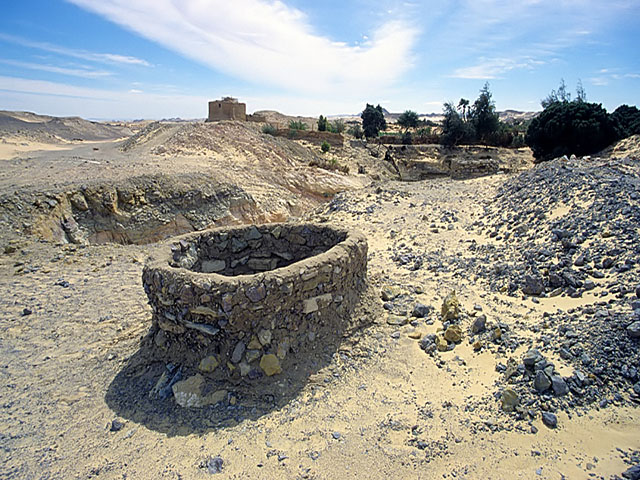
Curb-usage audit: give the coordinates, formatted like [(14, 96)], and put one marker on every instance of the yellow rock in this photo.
[(270, 364), (453, 334), (441, 344), (477, 345), (450, 307), (208, 364), (416, 334), (254, 344), (215, 397)]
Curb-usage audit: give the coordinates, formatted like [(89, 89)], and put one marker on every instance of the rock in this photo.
[(256, 293), (214, 465), (428, 343), (496, 334), (415, 335), (441, 344), (450, 307), (254, 344), (188, 393), (479, 324), (638, 291), (336, 435), (532, 357), (560, 387), (634, 330), (116, 425), (477, 345), (212, 266), (238, 351), (396, 320), (270, 364), (420, 310), (244, 368), (283, 348), (510, 400), (549, 419), (453, 334), (208, 364), (252, 355), (533, 285), (632, 473), (26, 311), (542, 382), (264, 336), (389, 293)]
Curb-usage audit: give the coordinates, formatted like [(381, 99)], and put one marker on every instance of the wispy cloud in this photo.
[(108, 58), (84, 72), (265, 41), (492, 68)]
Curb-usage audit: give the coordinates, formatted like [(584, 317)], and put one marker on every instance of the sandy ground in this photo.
[(74, 379), (360, 416)]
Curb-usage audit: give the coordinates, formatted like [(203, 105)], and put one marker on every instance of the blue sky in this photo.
[(114, 59)]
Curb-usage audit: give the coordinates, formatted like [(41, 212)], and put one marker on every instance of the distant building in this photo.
[(227, 109)]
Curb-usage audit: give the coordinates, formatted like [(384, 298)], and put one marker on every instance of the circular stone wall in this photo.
[(240, 301)]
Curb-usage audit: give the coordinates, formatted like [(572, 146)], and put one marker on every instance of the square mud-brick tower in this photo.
[(227, 109)]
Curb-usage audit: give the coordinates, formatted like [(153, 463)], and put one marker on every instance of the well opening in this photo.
[(253, 250)]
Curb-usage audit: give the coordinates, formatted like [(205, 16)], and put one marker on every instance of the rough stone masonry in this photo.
[(239, 301)]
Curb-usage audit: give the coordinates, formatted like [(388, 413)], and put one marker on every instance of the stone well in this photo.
[(243, 301)]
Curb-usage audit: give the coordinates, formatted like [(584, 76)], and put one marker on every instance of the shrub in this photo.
[(323, 123), (297, 125), (269, 129), (628, 119), (325, 147), (565, 128), (337, 126), (356, 131), (407, 139), (408, 119), (373, 121)]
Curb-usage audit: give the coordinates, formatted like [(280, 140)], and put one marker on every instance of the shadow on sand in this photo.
[(129, 396)]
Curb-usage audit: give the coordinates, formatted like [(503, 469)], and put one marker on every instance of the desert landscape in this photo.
[(496, 335)]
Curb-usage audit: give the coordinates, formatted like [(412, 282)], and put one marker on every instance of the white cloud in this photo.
[(111, 58), (493, 68), (266, 42), (84, 72)]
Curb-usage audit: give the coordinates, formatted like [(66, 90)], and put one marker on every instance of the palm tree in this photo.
[(463, 105)]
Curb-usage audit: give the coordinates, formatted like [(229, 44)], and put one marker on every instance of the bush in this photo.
[(337, 126), (373, 121), (325, 147), (356, 131), (297, 125), (407, 139), (323, 123), (408, 119), (269, 129), (565, 128), (628, 119)]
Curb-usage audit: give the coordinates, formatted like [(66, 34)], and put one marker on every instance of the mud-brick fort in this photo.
[(227, 109)]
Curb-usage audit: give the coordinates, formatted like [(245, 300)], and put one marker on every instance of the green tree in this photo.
[(322, 124), (453, 128), (325, 147), (561, 95), (628, 118), (483, 115), (565, 128), (373, 121), (408, 119)]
